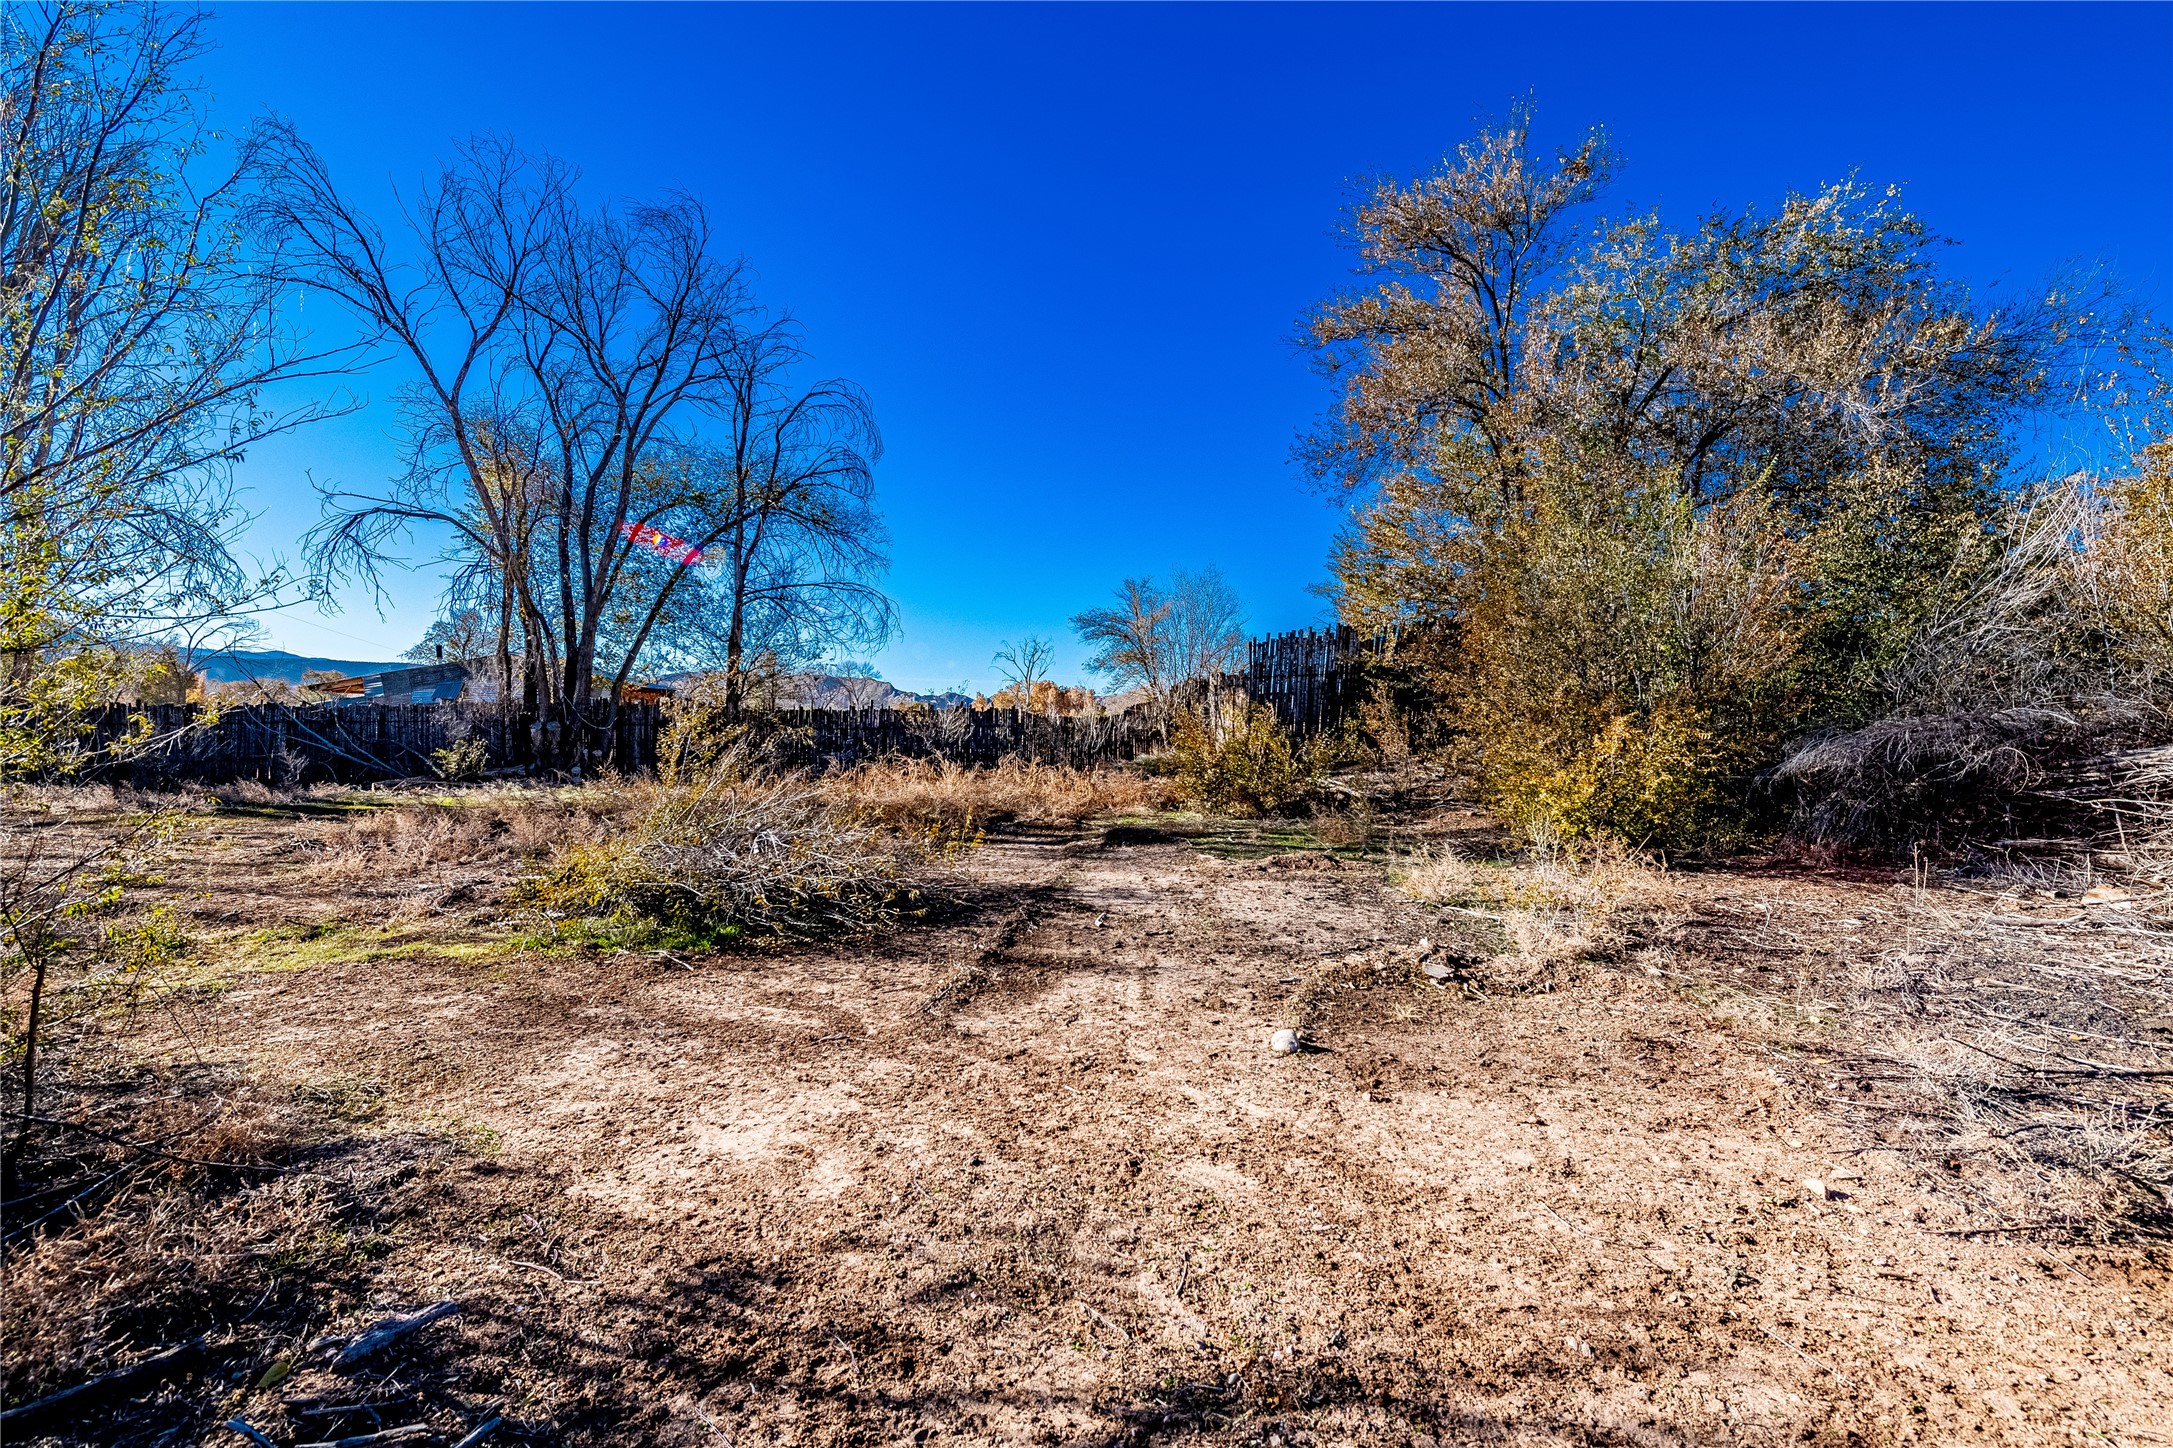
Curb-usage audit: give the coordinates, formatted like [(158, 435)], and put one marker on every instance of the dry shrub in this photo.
[(947, 803), (1998, 1040), (721, 852), (1551, 908), (65, 799)]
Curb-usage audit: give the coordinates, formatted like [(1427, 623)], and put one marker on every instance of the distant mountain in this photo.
[(835, 691), (240, 665)]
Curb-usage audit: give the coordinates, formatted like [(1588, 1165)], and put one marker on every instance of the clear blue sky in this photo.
[(1066, 248)]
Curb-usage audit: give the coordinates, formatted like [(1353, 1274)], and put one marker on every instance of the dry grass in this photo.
[(168, 1220), (1550, 910), (482, 825), (950, 803)]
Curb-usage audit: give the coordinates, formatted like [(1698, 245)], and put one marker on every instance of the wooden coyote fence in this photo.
[(964, 736), (350, 743), (360, 743), (1311, 679)]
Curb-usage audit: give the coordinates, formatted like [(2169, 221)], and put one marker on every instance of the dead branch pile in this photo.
[(723, 849), (2005, 711), (2011, 1042), (1984, 777)]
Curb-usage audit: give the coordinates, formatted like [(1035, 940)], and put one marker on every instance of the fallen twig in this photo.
[(148, 1148), (343, 1410), (1105, 1320), (407, 1434), (391, 1330), (156, 1366), (237, 1425), (480, 1433), (850, 1356), (553, 1272), (1799, 1352)]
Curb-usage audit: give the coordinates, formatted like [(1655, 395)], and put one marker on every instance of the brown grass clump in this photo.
[(484, 826), (950, 803), (1550, 909)]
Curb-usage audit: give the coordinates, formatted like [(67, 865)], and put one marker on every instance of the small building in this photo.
[(445, 684), (423, 684)]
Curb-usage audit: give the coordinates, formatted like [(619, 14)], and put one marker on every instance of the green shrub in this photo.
[(1621, 657), (461, 761), (1253, 768)]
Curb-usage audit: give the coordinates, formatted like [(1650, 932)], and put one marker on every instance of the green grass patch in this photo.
[(604, 934), (307, 947)]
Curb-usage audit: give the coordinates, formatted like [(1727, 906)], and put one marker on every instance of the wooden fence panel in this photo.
[(349, 743), (1310, 678)]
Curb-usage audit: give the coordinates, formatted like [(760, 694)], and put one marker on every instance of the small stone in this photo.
[(1439, 971), (1815, 1187), (1284, 1042), (1425, 947)]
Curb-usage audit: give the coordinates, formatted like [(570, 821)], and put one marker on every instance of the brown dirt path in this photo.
[(1033, 1176)]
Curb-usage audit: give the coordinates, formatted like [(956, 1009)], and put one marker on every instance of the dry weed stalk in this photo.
[(949, 803)]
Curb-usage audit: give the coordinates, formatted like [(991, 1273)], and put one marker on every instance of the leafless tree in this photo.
[(1025, 664), (449, 301), (575, 362), (1156, 638), (863, 687), (783, 506), (1206, 625)]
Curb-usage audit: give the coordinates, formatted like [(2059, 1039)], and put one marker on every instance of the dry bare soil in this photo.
[(1028, 1173)]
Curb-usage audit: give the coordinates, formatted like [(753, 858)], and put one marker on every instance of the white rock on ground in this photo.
[(1284, 1042)]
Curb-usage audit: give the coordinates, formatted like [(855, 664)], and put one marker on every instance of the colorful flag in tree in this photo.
[(664, 545)]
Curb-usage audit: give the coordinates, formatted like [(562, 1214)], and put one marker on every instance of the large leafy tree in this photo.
[(1812, 354)]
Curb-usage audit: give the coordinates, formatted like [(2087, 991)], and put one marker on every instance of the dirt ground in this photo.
[(1029, 1173)]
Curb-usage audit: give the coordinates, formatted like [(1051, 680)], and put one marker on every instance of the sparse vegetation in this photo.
[(1476, 1022)]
